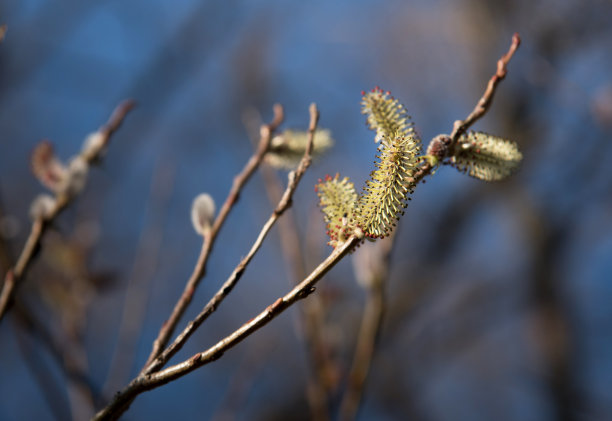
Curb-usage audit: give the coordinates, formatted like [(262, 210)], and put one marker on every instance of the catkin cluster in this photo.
[(376, 210)]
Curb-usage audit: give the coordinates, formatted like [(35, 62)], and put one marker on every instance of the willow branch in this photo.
[(143, 271), (146, 382), (76, 375), (230, 283), (15, 275), (199, 270), (369, 330), (308, 324)]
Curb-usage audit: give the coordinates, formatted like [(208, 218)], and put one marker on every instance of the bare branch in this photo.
[(39, 225), (209, 239), (143, 271), (230, 283), (308, 323), (146, 382)]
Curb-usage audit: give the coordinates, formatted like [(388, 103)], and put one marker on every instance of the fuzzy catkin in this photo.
[(486, 157)]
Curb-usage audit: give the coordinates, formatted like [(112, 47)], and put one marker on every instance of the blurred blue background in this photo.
[(499, 295)]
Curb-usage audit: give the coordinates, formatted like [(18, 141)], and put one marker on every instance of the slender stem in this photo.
[(308, 323), (230, 283), (15, 275), (377, 274), (143, 271), (371, 323), (76, 373), (483, 105), (146, 382), (199, 270)]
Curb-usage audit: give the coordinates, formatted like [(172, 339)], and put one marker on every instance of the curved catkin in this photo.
[(385, 194), (385, 115), (337, 199), (486, 157)]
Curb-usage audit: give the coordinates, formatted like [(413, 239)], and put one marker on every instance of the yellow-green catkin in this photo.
[(385, 114), (486, 157), (337, 199), (384, 196)]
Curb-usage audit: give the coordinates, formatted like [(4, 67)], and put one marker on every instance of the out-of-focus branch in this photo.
[(230, 283), (15, 275), (3, 29), (371, 322), (143, 270), (77, 377), (49, 387), (209, 239), (308, 324)]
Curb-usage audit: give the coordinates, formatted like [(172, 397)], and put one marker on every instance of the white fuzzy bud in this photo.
[(202, 213), (42, 206), (93, 145), (76, 177)]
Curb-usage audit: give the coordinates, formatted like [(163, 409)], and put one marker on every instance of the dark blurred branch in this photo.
[(243, 380), (49, 387), (371, 323), (308, 324), (143, 270), (209, 239), (15, 275), (369, 331), (76, 375)]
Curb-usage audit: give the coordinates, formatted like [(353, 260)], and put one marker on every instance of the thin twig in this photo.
[(308, 323), (76, 375), (43, 375), (15, 275), (483, 105), (147, 382), (364, 352), (230, 283), (143, 271), (199, 270), (369, 331)]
